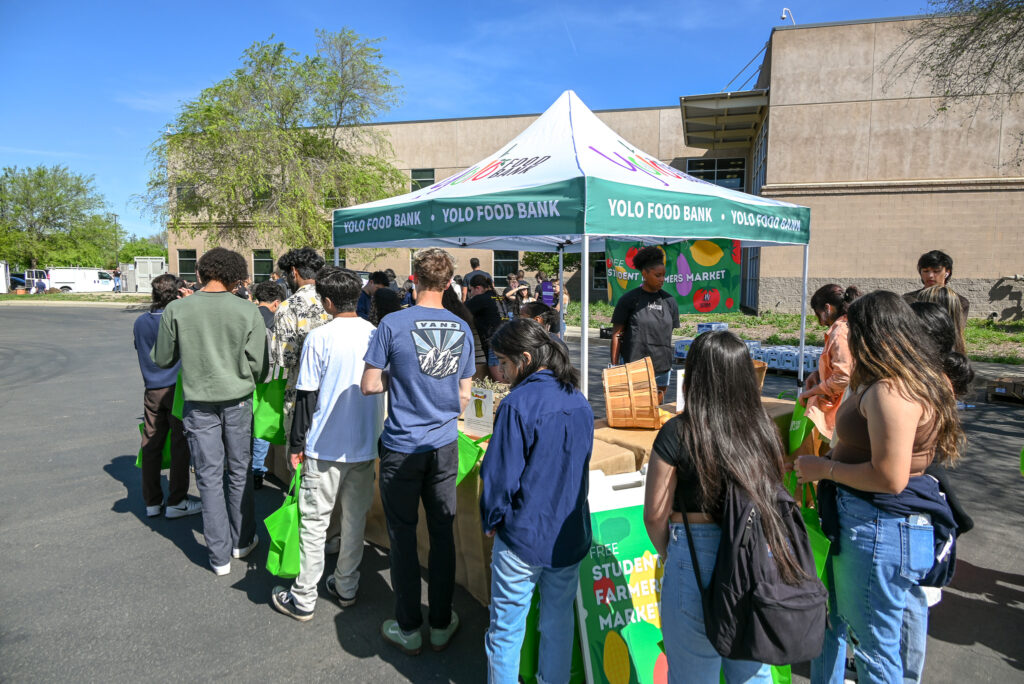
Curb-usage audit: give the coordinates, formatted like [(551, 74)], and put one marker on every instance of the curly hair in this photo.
[(648, 257), (165, 290), (304, 259), (223, 265), (268, 291)]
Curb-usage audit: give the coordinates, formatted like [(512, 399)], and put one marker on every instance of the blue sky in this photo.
[(90, 85)]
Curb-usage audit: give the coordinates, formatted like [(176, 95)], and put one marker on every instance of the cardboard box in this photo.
[(1007, 387), (611, 459)]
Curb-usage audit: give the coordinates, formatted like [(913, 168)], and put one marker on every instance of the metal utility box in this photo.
[(138, 277)]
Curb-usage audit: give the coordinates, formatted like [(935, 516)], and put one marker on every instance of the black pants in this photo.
[(158, 421), (405, 479)]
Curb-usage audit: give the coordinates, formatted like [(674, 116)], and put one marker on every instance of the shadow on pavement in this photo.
[(991, 602)]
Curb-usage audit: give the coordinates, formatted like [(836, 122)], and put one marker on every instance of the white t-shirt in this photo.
[(345, 425)]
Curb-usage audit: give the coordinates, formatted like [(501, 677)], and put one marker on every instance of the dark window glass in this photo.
[(505, 262), (187, 264), (262, 265), (422, 178)]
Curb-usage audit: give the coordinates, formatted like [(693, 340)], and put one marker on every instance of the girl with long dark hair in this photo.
[(450, 300), (900, 418), (824, 388), (534, 500), (723, 436)]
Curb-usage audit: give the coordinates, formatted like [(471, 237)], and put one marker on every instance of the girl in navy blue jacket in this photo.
[(534, 500)]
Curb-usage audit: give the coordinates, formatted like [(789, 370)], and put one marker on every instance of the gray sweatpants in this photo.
[(220, 439), (325, 484)]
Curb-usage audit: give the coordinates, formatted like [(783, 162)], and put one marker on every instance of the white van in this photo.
[(81, 280)]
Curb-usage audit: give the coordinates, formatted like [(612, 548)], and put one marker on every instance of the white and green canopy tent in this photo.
[(565, 184)]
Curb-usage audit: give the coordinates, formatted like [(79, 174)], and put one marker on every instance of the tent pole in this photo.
[(562, 284), (337, 256), (585, 316), (803, 322)]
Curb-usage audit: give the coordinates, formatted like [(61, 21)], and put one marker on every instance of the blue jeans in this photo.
[(512, 585), (830, 665), (882, 556), (260, 448), (914, 638), (691, 657)]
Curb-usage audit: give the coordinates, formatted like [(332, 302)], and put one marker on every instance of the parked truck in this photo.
[(81, 280)]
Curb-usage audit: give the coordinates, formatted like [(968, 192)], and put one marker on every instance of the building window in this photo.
[(760, 158), (599, 273), (187, 264), (262, 265), (504, 263), (422, 178), (729, 173)]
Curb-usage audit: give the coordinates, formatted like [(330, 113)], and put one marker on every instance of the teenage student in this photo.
[(534, 500), (337, 455)]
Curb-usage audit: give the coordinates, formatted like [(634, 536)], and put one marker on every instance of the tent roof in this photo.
[(566, 176)]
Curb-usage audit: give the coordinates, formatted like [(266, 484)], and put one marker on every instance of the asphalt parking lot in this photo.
[(93, 590)]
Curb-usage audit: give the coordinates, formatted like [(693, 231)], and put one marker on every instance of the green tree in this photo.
[(276, 145), (548, 262), (971, 52), (137, 246), (46, 211)]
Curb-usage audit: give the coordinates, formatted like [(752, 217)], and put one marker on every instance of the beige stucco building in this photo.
[(886, 174)]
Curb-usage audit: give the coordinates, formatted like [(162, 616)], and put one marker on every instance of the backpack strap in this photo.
[(696, 566)]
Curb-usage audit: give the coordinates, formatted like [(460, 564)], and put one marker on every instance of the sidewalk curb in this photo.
[(128, 306)]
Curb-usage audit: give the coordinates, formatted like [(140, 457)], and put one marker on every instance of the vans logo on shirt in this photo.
[(438, 346)]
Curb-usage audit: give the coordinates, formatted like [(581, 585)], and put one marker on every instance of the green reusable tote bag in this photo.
[(178, 408), (283, 532), (819, 542), (167, 449), (799, 427), (268, 410), (470, 452)]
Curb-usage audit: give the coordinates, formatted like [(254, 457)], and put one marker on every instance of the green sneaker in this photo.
[(439, 638), (410, 644)]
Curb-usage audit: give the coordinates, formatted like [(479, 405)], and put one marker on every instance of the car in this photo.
[(17, 280)]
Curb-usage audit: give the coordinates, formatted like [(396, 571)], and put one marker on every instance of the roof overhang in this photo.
[(722, 121)]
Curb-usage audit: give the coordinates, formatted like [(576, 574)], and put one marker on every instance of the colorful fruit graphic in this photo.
[(608, 263), (620, 276), (616, 659), (604, 590), (661, 670), (706, 253), (728, 303), (664, 256), (706, 300), (683, 286), (736, 247), (630, 253)]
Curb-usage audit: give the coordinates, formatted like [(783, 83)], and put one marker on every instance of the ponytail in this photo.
[(523, 335), (835, 295)]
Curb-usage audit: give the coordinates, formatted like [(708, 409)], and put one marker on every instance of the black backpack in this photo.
[(749, 612)]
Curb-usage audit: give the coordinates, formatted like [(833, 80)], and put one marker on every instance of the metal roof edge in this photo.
[(851, 22)]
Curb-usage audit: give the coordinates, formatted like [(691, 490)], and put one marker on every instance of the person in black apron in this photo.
[(644, 318)]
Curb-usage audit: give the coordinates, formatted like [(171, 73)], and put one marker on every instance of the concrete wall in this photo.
[(886, 174)]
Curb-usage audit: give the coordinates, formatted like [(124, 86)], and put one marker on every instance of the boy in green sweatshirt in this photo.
[(221, 341)]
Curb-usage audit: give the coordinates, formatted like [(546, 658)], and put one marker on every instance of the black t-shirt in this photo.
[(485, 315), (670, 449), (649, 318), (268, 317)]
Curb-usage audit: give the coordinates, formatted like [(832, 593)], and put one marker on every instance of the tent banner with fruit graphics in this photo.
[(702, 275), (567, 175)]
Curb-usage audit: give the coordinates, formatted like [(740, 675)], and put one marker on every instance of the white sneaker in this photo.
[(221, 570), (186, 507), (242, 553), (153, 511), (332, 546)]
